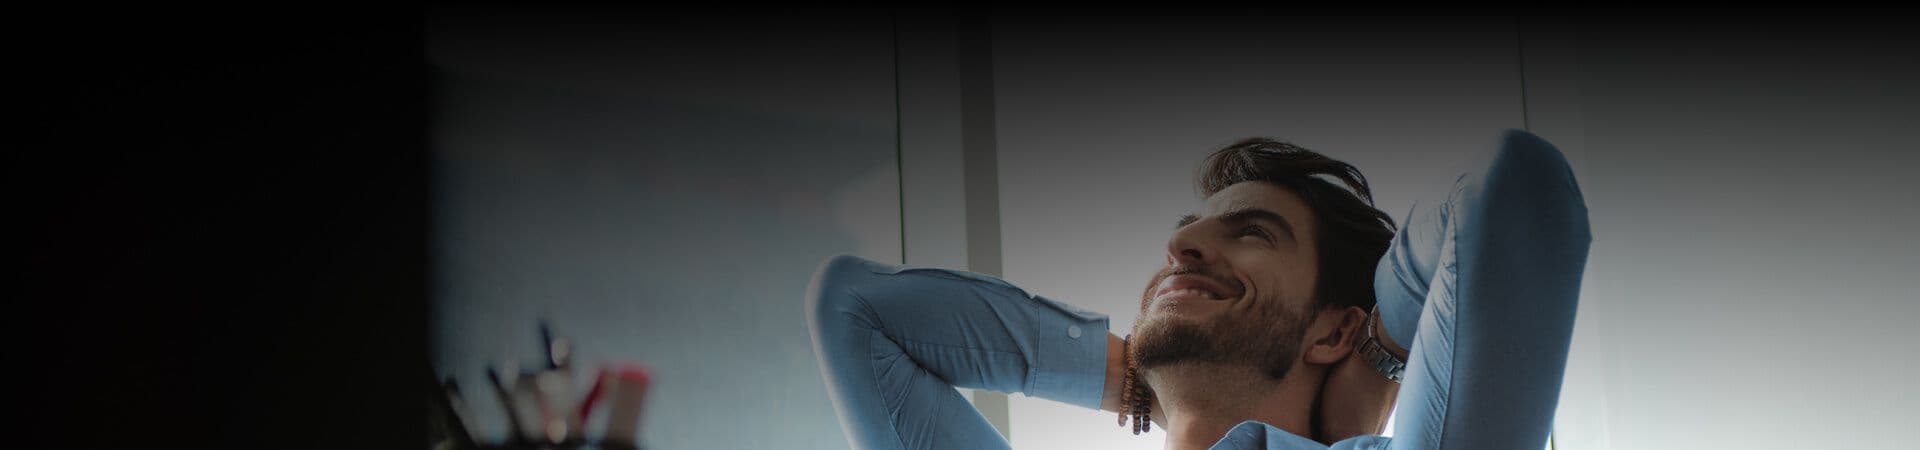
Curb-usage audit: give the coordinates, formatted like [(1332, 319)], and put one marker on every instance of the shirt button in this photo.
[(1073, 331)]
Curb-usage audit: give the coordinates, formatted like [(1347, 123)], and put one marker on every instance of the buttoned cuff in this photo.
[(1070, 361)]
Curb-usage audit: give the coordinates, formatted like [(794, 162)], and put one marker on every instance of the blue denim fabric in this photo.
[(1481, 284), (894, 341), (1491, 273)]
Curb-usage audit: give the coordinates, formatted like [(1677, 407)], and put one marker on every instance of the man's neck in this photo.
[(1200, 402)]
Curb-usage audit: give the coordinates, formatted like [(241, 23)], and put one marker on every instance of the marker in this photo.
[(627, 384)]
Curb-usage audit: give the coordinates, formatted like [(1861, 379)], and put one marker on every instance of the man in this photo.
[(1277, 322)]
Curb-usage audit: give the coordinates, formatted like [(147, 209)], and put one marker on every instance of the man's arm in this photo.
[(894, 341), (1490, 279)]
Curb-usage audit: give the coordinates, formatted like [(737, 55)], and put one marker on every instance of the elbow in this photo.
[(830, 300), (1524, 161), (1530, 174)]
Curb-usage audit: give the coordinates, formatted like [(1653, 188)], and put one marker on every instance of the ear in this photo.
[(1332, 336)]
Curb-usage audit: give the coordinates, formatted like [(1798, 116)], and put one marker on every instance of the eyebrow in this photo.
[(1244, 215)]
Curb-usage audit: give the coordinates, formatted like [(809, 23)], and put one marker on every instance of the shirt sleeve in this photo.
[(1483, 284), (893, 341)]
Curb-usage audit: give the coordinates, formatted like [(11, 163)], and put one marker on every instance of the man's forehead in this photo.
[(1254, 195)]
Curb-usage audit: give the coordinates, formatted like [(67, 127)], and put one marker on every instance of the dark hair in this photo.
[(1351, 234)]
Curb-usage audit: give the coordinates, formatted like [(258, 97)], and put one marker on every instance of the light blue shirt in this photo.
[(1482, 280)]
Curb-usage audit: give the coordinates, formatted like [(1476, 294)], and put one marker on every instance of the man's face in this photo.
[(1238, 283)]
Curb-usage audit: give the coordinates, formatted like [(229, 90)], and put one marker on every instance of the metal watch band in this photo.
[(1376, 355)]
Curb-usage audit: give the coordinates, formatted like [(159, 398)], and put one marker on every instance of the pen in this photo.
[(506, 401)]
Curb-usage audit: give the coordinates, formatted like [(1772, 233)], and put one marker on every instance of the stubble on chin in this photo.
[(1268, 340), (1159, 340)]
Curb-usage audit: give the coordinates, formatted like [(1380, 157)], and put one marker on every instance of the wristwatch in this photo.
[(1377, 355)]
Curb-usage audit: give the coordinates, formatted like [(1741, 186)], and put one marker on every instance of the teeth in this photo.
[(1199, 292)]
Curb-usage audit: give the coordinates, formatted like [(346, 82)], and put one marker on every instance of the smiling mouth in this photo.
[(1192, 287), (1189, 293)]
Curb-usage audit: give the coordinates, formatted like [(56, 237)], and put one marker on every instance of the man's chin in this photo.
[(1163, 338), (1164, 318)]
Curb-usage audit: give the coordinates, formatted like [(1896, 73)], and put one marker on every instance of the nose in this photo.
[(1187, 247)]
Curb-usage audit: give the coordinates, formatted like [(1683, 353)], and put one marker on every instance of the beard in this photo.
[(1267, 338)]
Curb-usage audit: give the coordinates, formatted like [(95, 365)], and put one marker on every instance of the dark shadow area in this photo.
[(220, 229)]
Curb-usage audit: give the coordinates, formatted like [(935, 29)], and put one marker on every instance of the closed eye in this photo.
[(1256, 231), (1256, 216)]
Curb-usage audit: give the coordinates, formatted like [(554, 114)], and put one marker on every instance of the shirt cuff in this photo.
[(1070, 360)]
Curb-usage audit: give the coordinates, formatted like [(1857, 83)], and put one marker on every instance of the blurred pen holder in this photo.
[(543, 406), (543, 412), (624, 389)]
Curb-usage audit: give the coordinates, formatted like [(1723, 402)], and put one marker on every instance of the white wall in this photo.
[(661, 187), (1750, 189)]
